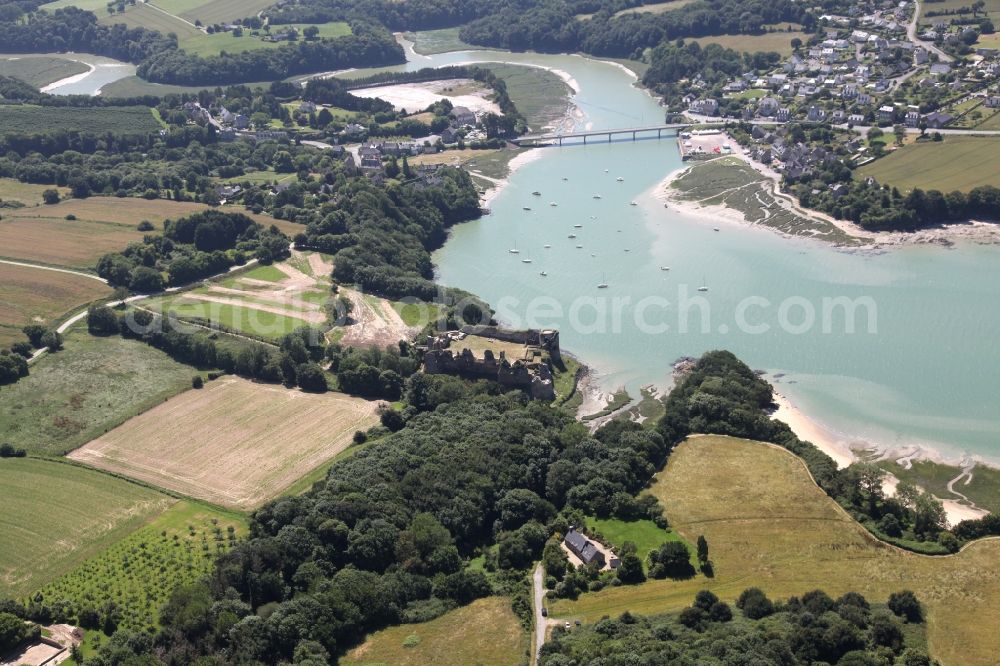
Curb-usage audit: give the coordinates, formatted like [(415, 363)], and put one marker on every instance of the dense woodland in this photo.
[(812, 629)]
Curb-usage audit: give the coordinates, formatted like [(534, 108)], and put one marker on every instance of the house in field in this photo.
[(584, 548)]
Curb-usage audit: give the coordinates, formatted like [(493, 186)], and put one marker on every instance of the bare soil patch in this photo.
[(234, 443), (374, 322)]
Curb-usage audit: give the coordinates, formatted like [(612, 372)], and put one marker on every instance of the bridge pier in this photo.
[(633, 136), (609, 137)]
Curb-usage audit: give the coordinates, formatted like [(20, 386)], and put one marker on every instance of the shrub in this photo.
[(102, 320), (71, 217), (53, 340), (50, 196), (197, 382), (360, 437), (905, 604), (145, 225), (754, 604)]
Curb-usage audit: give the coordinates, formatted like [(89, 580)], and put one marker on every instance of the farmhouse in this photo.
[(588, 551)]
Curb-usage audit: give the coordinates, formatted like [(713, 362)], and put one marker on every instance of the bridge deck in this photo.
[(600, 132)]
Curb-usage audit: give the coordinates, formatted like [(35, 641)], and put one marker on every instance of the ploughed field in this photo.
[(28, 118), (769, 526), (233, 443)]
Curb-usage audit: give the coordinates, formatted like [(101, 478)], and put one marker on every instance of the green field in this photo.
[(40, 71), (770, 41), (119, 119), (484, 632), (138, 572), (209, 45), (99, 7), (429, 42), (540, 96), (957, 163), (90, 387), (56, 515), (768, 525), (144, 15), (133, 86)]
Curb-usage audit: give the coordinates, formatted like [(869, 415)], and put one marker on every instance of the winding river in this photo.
[(920, 368)]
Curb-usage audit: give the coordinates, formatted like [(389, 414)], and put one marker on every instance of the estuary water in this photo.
[(920, 368)]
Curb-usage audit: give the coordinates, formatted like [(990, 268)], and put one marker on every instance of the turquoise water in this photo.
[(925, 373)]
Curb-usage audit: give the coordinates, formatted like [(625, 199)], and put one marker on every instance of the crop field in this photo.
[(266, 301), (88, 388), (780, 41), (61, 242), (768, 525), (40, 71), (233, 443), (178, 547), (29, 294), (29, 119), (484, 632), (99, 7), (57, 515), (144, 15), (214, 11), (26, 193), (209, 45), (957, 163)]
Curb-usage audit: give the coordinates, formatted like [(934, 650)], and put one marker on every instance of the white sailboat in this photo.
[(703, 287), (603, 284)]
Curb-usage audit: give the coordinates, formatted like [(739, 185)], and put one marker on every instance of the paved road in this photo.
[(57, 270), (538, 602), (911, 34)]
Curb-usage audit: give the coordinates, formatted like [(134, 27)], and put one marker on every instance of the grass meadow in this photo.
[(38, 295), (957, 163), (56, 515), (983, 489), (209, 45), (484, 632), (234, 443), (25, 193), (91, 386), (177, 547), (146, 15), (40, 71), (768, 525)]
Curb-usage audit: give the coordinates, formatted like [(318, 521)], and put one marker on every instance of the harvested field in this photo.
[(149, 16), (57, 515), (484, 632), (60, 242), (233, 443), (769, 526), (29, 294)]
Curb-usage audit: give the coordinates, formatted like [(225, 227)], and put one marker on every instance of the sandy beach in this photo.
[(414, 97)]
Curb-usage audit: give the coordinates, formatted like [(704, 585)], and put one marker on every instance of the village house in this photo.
[(938, 120), (705, 107), (886, 113), (463, 116)]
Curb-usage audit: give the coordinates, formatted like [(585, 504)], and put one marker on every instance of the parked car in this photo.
[(545, 611)]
